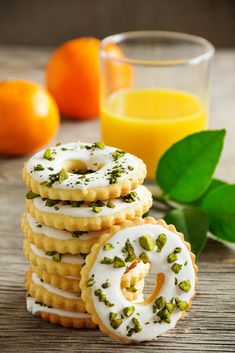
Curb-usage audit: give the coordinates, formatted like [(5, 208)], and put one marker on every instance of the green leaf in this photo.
[(193, 223), (215, 183), (220, 206), (185, 170)]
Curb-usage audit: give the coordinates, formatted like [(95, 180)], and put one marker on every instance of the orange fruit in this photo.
[(29, 117), (72, 77)]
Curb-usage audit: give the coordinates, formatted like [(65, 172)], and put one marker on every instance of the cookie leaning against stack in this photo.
[(77, 192)]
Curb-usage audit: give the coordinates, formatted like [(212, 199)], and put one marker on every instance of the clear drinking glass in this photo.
[(154, 91)]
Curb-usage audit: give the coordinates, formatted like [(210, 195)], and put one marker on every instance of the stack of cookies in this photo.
[(76, 193)]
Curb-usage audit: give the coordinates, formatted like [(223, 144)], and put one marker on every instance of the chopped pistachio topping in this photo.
[(164, 315), (176, 281), (131, 197), (128, 310), (170, 307), (31, 195), (115, 323), (102, 297), (38, 168), (90, 282), (78, 233), (48, 154), (76, 203), (118, 262), (96, 209), (99, 145), (51, 203), (181, 304), (186, 262), (63, 175), (130, 167), (172, 257), (132, 289), (117, 154), (110, 204), (50, 168), (130, 250), (145, 214), (161, 241), (115, 173), (107, 261), (106, 285), (107, 246), (160, 302), (147, 242), (55, 255), (144, 257), (185, 286), (177, 250), (176, 268), (58, 144), (112, 316), (97, 203)]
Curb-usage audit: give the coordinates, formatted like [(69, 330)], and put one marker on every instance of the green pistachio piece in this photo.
[(110, 204), (181, 304), (107, 246), (131, 197), (128, 310), (107, 261), (135, 321), (90, 282), (185, 286), (161, 241), (147, 242), (132, 289), (172, 257), (31, 195), (48, 155), (170, 307), (118, 154), (164, 315), (130, 167), (106, 285), (96, 209), (115, 323), (176, 268), (144, 257), (177, 250), (99, 145), (63, 175), (118, 262), (112, 316), (138, 328), (38, 168), (51, 203), (160, 302), (76, 203)]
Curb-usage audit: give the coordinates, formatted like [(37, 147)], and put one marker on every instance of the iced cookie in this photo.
[(84, 216), (54, 262), (60, 240), (83, 171), (170, 260), (61, 317)]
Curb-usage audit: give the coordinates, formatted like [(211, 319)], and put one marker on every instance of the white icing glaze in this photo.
[(51, 232), (159, 264), (66, 258), (61, 292), (34, 307), (91, 158), (84, 211)]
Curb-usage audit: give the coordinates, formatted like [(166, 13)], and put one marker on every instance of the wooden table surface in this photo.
[(208, 327)]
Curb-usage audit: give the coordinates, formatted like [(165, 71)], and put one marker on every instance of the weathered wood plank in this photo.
[(210, 325)]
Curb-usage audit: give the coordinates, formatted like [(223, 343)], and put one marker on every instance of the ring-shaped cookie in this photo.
[(83, 171), (85, 216), (171, 261)]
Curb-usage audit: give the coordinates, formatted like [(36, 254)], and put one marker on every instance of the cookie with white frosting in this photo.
[(83, 171), (52, 296), (85, 216), (57, 316), (54, 262), (170, 260), (59, 240)]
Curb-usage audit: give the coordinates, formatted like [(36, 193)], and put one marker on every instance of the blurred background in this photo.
[(46, 23)]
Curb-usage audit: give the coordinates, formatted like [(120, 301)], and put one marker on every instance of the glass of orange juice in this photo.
[(154, 91)]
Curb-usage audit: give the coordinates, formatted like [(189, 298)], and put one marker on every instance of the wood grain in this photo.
[(210, 325)]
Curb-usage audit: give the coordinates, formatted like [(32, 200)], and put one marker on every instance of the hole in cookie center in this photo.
[(79, 167), (139, 284)]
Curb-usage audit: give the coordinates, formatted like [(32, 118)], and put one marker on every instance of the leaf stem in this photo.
[(163, 201)]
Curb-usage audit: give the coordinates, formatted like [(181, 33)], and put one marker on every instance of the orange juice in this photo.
[(146, 122)]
